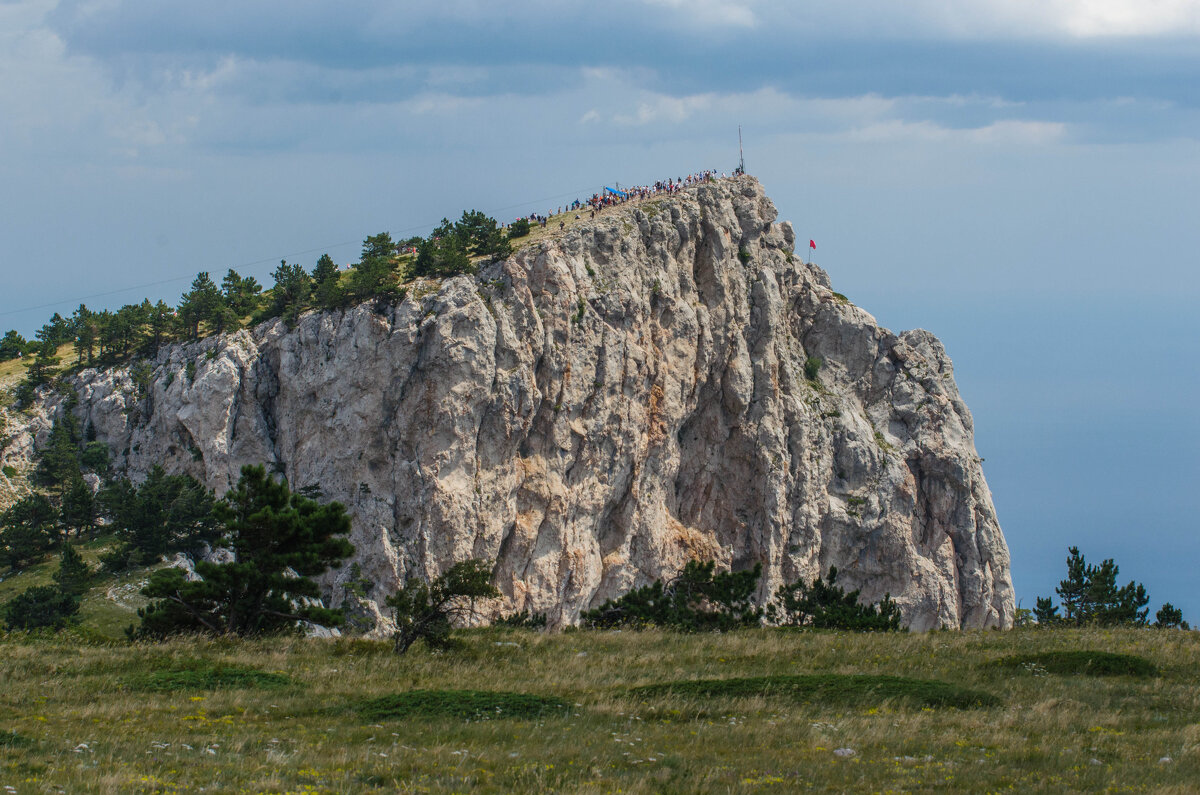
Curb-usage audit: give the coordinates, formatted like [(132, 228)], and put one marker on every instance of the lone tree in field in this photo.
[(279, 541), (429, 611)]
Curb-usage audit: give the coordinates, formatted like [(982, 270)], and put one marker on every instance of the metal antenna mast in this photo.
[(741, 159)]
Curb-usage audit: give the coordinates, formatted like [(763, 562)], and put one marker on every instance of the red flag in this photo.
[(812, 244)]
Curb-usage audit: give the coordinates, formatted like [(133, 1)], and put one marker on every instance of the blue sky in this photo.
[(1018, 176)]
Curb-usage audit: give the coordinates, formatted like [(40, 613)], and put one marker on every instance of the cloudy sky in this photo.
[(1018, 176)]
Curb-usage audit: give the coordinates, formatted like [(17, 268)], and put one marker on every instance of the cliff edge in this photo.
[(596, 410)]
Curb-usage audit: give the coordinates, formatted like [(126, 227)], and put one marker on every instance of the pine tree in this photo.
[(40, 606), (1073, 590), (1090, 594), (84, 321), (73, 574), (375, 276), (1170, 617), (159, 318), (27, 531), (291, 291), (279, 540), (241, 293), (429, 611), (166, 513), (78, 510), (327, 290), (826, 605), (1046, 611), (200, 304), (12, 345), (442, 257), (44, 366), (58, 461)]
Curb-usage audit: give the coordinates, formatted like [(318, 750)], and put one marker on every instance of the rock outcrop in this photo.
[(598, 409)]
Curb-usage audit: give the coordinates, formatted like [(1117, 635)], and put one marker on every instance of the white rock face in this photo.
[(597, 410)]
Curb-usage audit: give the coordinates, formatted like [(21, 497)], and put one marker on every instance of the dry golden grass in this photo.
[(83, 723)]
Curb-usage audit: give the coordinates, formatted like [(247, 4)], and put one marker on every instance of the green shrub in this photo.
[(198, 675), (744, 255), (73, 573), (523, 620), (1083, 663), (1170, 617), (429, 611), (95, 456), (834, 689), (695, 600), (40, 606), (812, 366), (10, 739), (825, 605), (518, 228), (464, 704), (10, 471)]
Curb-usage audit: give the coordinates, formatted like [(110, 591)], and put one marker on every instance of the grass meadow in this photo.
[(518, 711)]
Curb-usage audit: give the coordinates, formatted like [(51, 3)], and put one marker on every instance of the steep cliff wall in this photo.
[(597, 410)]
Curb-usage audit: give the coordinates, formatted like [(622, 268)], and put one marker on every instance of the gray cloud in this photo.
[(349, 51)]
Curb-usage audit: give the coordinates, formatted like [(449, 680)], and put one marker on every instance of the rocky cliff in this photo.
[(595, 411)]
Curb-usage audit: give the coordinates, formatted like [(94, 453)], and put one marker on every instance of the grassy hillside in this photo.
[(603, 712)]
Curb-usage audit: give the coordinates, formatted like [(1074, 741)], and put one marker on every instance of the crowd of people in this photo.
[(611, 197)]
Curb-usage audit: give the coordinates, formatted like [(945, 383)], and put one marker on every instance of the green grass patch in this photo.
[(59, 691), (197, 675), (828, 689), (464, 704), (13, 740), (1082, 663)]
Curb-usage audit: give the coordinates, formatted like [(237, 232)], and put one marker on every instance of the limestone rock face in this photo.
[(597, 410)]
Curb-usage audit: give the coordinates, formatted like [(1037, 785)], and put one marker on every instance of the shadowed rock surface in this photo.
[(597, 410)]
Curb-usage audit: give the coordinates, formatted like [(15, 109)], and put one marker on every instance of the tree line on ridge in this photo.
[(106, 337)]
